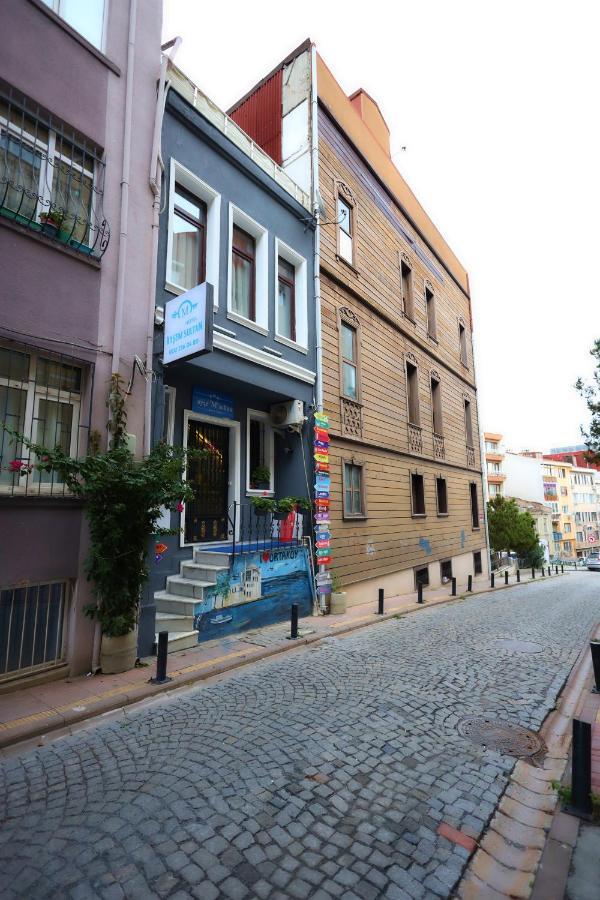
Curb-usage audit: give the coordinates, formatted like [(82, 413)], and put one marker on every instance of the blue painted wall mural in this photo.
[(258, 590)]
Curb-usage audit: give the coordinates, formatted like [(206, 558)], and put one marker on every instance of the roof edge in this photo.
[(305, 45)]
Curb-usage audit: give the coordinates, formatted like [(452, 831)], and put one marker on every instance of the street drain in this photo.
[(506, 738), (517, 646)]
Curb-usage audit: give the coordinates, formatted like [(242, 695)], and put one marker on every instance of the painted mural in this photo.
[(258, 590)]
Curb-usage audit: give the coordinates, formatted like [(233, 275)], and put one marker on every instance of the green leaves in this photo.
[(591, 395), (509, 528)]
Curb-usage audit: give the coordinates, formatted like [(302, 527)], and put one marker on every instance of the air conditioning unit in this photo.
[(288, 414)]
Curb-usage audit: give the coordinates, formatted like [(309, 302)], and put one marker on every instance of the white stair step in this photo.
[(172, 622), (181, 641), (211, 558), (187, 587), (202, 571), (170, 603)]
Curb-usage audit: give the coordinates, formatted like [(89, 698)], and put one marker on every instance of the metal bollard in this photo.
[(595, 648), (161, 659), (518, 576), (294, 622), (470, 583), (492, 579), (532, 573), (556, 569), (562, 569), (506, 577), (380, 603), (453, 594), (419, 593), (543, 572), (581, 771)]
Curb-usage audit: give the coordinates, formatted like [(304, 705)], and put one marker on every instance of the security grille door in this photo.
[(206, 516)]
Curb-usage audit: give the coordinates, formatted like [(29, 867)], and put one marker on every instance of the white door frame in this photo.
[(234, 465)]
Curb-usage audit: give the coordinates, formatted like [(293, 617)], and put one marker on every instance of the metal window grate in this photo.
[(51, 177), (32, 627), (46, 397)]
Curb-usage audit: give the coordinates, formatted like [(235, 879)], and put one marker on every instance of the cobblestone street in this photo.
[(322, 773)]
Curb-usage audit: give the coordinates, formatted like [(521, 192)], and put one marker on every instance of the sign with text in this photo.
[(212, 403), (188, 324)]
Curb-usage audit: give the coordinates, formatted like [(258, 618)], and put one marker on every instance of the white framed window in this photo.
[(248, 280), (88, 18), (202, 221), (260, 455), (291, 292)]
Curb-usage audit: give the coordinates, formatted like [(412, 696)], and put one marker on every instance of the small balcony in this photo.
[(470, 456), (494, 457), (496, 477), (415, 438), (439, 449)]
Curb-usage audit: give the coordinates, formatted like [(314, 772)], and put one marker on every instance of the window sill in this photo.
[(409, 319), (350, 265), (418, 515), (475, 527), (433, 338), (247, 323), (289, 343), (348, 517), (443, 515), (76, 36), (350, 399), (254, 492)]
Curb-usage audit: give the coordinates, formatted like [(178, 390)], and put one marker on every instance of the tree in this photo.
[(591, 394), (509, 528)]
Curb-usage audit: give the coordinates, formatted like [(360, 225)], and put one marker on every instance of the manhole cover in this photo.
[(512, 740), (517, 646)]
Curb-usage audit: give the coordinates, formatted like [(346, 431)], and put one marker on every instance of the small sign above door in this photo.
[(188, 324), (212, 403)]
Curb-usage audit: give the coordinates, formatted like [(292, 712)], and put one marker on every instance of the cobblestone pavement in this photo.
[(322, 773)]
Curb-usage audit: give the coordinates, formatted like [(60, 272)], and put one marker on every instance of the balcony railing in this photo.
[(439, 449), (415, 438), (51, 177), (250, 531), (470, 456)]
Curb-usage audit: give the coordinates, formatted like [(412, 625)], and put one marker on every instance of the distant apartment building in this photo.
[(525, 484), (558, 493), (494, 458), (577, 455), (586, 509)]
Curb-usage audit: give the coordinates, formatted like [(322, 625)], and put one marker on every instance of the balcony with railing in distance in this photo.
[(415, 438), (439, 449), (470, 456)]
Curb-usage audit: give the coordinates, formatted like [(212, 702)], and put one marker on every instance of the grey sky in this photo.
[(497, 104)]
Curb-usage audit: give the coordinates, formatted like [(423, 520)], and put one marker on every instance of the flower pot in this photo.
[(280, 515), (337, 604), (118, 654), (261, 512), (50, 229)]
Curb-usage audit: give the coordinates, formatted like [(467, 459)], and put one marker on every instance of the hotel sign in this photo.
[(188, 324)]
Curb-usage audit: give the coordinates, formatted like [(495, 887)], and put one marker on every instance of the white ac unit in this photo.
[(287, 414)]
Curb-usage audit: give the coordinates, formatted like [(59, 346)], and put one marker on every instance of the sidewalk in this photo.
[(33, 713)]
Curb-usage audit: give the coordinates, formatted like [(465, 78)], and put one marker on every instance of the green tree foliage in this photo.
[(591, 394), (510, 529)]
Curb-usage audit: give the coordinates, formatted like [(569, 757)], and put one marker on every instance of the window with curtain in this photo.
[(189, 240), (286, 299), (243, 266), (349, 361), (345, 230)]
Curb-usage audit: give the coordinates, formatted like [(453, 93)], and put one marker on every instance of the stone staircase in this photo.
[(175, 605)]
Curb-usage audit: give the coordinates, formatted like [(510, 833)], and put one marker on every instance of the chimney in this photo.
[(370, 113)]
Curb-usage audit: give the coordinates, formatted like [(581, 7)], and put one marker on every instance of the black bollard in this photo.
[(380, 603), (419, 593), (543, 572), (294, 622), (506, 577), (453, 587), (492, 579), (562, 569), (581, 771), (161, 659), (518, 576), (595, 648), (556, 569), (470, 583), (532, 574)]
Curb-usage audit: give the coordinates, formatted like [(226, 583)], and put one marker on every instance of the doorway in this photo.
[(206, 517)]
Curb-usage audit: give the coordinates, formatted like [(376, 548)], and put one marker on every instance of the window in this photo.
[(565, 510), (412, 389), (41, 398), (462, 340), (567, 546), (286, 299), (243, 289), (408, 306), (491, 446), (417, 494), (441, 491), (436, 406), (188, 255), (422, 576), (291, 304), (259, 453), (353, 501), (349, 361), (52, 178), (468, 424), (474, 505), (431, 322), (580, 537), (477, 567), (563, 492), (345, 230), (446, 570), (86, 18), (567, 527)]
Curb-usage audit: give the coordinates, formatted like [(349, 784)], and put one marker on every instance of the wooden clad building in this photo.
[(398, 379)]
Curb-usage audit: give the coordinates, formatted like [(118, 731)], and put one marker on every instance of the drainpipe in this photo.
[(156, 168), (317, 215)]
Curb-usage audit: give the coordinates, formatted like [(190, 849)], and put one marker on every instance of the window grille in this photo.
[(32, 627), (51, 177)]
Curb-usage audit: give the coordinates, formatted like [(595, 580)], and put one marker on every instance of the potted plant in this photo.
[(284, 507), (51, 222), (263, 505), (303, 505), (260, 478), (337, 604)]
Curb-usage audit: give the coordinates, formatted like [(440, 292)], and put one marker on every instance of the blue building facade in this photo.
[(235, 221)]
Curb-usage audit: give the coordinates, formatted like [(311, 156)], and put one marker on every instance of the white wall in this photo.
[(523, 477)]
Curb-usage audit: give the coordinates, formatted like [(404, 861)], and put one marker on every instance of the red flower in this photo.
[(180, 506), (15, 465)]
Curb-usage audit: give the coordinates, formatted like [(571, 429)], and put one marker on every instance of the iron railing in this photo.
[(415, 438), (32, 627), (251, 531), (45, 397), (470, 456), (439, 450), (51, 177)]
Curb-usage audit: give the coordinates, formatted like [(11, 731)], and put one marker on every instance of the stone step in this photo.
[(170, 603), (187, 587), (172, 622), (211, 557), (181, 641), (202, 571)]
